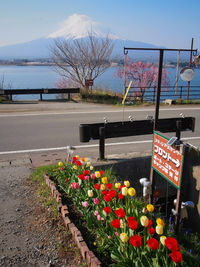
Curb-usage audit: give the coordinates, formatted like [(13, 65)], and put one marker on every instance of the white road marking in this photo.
[(86, 146), (94, 111)]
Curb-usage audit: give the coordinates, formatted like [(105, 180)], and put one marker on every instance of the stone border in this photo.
[(87, 255)]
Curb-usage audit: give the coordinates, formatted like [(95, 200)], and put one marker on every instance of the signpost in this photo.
[(167, 160), (88, 82)]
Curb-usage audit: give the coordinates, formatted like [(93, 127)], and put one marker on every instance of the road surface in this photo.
[(32, 127)]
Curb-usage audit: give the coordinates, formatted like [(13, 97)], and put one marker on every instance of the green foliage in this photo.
[(113, 241), (101, 96)]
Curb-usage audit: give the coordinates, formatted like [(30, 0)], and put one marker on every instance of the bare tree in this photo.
[(82, 59)]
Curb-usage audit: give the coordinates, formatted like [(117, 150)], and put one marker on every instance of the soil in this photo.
[(29, 235)]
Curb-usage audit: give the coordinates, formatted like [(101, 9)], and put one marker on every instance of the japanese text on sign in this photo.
[(167, 160)]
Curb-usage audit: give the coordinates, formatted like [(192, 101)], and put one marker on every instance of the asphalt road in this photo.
[(47, 126)]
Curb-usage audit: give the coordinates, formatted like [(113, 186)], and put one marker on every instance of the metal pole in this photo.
[(102, 143), (152, 173), (125, 60), (190, 63), (158, 88)]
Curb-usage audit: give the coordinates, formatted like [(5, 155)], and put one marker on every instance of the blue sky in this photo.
[(169, 23)]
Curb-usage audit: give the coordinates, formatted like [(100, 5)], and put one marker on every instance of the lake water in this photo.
[(24, 77)]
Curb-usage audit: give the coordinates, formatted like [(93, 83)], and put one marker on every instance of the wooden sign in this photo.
[(88, 83), (167, 160)]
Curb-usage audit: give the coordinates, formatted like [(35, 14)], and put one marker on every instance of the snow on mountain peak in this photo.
[(78, 26)]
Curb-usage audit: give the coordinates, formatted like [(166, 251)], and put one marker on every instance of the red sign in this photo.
[(167, 160), (88, 83)]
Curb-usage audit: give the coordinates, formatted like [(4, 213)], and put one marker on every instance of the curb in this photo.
[(87, 255)]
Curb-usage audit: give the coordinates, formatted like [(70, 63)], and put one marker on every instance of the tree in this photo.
[(144, 75), (80, 59)]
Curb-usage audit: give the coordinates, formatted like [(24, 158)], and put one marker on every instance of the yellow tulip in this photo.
[(77, 156), (103, 187), (90, 193), (91, 168), (122, 224), (150, 207), (159, 229), (83, 159), (60, 164), (75, 167), (104, 180), (124, 237), (162, 239), (117, 185), (144, 221), (97, 174), (88, 164), (159, 221), (124, 191), (127, 183), (131, 192)]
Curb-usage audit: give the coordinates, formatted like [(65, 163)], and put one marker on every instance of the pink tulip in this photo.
[(92, 175), (96, 201), (86, 178), (98, 217), (96, 213), (109, 237), (85, 204)]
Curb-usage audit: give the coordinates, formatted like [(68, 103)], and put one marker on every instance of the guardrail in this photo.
[(42, 91), (101, 131), (167, 92)]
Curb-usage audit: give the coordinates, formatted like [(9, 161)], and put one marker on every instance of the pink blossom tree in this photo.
[(143, 75)]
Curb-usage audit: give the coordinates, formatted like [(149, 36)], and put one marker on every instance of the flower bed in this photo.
[(120, 228)]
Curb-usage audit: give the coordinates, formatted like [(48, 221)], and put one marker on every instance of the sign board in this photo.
[(167, 160), (88, 83)]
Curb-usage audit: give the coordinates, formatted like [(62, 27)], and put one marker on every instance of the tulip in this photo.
[(131, 192), (117, 185), (96, 201), (109, 236), (75, 167), (159, 229), (90, 193), (144, 221), (103, 187), (127, 183), (85, 204), (124, 191), (88, 164), (144, 210), (77, 156), (104, 180), (91, 168), (159, 221), (92, 175), (83, 159), (96, 213), (60, 164), (150, 208), (122, 224), (86, 178), (97, 174), (98, 217), (116, 233), (124, 237), (162, 239)]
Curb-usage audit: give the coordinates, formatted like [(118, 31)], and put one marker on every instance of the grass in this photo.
[(65, 246), (43, 191)]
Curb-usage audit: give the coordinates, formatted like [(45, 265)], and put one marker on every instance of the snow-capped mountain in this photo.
[(74, 27), (79, 26)]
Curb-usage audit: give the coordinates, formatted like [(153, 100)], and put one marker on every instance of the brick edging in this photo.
[(87, 255)]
